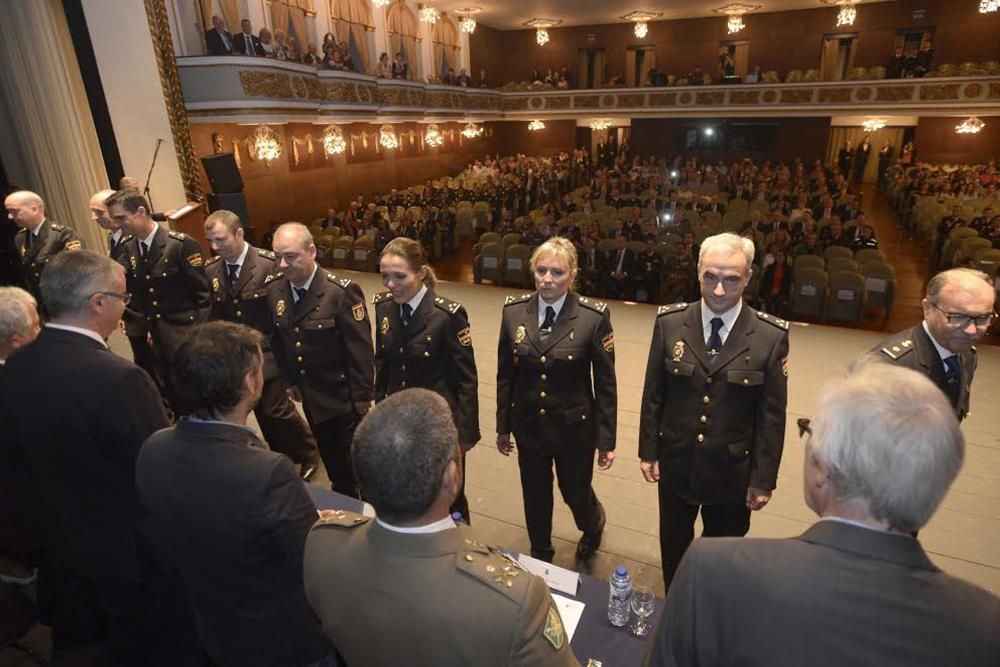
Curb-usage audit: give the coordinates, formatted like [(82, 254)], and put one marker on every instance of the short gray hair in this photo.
[(71, 278), (729, 243), (401, 449), (298, 229), (18, 310), (941, 280), (891, 441)]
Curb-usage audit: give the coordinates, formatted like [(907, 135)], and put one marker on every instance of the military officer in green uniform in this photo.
[(958, 310), (557, 393), (424, 340), (39, 239), (411, 586), (712, 422)]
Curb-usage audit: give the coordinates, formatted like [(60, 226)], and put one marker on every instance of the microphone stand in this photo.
[(145, 190)]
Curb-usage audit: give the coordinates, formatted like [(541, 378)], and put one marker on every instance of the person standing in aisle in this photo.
[(557, 393), (424, 340)]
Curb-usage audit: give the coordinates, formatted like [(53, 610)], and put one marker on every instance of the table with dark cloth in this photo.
[(595, 638)]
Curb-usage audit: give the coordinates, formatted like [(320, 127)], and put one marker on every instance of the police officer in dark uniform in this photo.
[(236, 273), (165, 273), (650, 271), (424, 340), (712, 424), (38, 240), (958, 310), (556, 350), (322, 340)]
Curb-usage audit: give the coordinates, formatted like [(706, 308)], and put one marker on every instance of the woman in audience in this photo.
[(424, 340), (333, 58), (266, 44), (345, 55), (281, 45), (383, 70), (556, 349)]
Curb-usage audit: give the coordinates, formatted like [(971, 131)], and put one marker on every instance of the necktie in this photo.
[(143, 249), (406, 312), (249, 42), (300, 293), (953, 375), (232, 269), (550, 319), (111, 241), (714, 339)]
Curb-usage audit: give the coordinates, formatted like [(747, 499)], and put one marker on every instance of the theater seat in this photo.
[(808, 262), (515, 266), (835, 264), (340, 253), (808, 293), (487, 265), (845, 296), (880, 285), (363, 256)]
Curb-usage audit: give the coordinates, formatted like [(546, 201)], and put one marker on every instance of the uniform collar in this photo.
[(942, 352), (556, 306), (243, 255), (446, 523), (308, 283), (149, 239), (89, 333), (414, 303), (728, 317)]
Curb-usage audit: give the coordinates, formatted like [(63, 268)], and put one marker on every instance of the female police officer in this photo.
[(556, 351), (424, 340)]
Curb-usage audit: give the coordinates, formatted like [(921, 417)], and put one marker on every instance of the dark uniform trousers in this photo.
[(715, 423), (280, 423), (170, 290), (136, 328), (432, 351), (545, 398), (323, 346)]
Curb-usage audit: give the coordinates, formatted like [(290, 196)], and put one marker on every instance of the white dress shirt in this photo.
[(728, 320), (304, 285), (80, 330), (436, 527), (556, 306)]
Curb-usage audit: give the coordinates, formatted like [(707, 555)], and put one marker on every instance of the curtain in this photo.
[(361, 37), (298, 19), (741, 58), (404, 35), (230, 14), (839, 135), (648, 61), (204, 8), (48, 139), (444, 38), (829, 59), (352, 23), (279, 16)]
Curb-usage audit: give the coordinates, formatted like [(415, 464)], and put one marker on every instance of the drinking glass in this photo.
[(642, 609)]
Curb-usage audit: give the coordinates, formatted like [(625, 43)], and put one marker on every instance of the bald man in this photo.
[(322, 341), (39, 239)]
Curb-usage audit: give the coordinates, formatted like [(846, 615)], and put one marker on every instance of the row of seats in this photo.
[(965, 247), (985, 68)]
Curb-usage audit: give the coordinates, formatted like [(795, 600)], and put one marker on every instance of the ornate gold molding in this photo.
[(173, 96)]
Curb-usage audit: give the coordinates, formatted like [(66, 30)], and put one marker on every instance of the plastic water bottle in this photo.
[(620, 597)]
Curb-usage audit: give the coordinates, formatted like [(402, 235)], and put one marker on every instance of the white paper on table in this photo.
[(557, 578), (570, 611)]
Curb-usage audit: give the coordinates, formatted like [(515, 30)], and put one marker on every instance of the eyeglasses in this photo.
[(804, 427), (124, 296), (962, 321)]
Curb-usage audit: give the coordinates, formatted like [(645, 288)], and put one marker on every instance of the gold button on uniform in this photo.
[(709, 380), (570, 357), (298, 343), (705, 400), (701, 437), (544, 377), (542, 412), (703, 419), (746, 381), (542, 359), (542, 395)]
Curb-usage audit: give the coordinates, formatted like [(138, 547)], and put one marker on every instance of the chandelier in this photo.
[(381, 3), (735, 24), (988, 6), (735, 11), (847, 14), (542, 36), (600, 124), (641, 29), (429, 15), (333, 140), (873, 124), (387, 137), (641, 19), (433, 136), (467, 24), (536, 125), (471, 131), (266, 143), (970, 125), (541, 27)]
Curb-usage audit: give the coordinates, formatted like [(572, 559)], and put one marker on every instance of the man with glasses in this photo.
[(958, 311), (712, 424)]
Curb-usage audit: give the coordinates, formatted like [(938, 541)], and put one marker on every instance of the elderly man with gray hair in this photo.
[(856, 588), (19, 324)]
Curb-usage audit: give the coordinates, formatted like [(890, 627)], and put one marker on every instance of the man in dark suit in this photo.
[(712, 422), (229, 515), (166, 275), (80, 413), (958, 310), (247, 43), (322, 341), (619, 270), (38, 240), (826, 210), (218, 40), (856, 588), (235, 274)]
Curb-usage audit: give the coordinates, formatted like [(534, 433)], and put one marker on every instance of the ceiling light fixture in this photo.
[(471, 131), (536, 125), (387, 137), (735, 12), (333, 140), (381, 3), (641, 20), (428, 14), (970, 125), (641, 30), (266, 143), (467, 20), (873, 124), (541, 27), (988, 6), (846, 15), (433, 136), (600, 124)]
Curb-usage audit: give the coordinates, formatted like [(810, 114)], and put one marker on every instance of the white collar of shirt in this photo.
[(852, 522), (242, 258), (149, 239), (436, 527), (415, 301), (306, 284), (943, 353), (83, 332), (557, 306), (34, 232), (117, 234), (728, 320)]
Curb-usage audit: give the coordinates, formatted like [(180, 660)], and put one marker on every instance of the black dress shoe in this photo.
[(307, 471), (546, 555), (591, 542)]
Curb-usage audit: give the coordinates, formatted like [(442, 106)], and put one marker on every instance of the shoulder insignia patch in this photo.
[(340, 519), (491, 566), (596, 306), (73, 245), (510, 300), (672, 308), (195, 259), (216, 285), (465, 337), (897, 349), (212, 261), (608, 343), (273, 276), (379, 297), (358, 311), (180, 236), (56, 227), (266, 253), (771, 319), (554, 632), (342, 282), (447, 304), (126, 238)]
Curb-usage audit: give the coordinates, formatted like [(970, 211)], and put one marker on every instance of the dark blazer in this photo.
[(232, 517), (323, 343), (135, 322), (168, 287), (81, 412), (609, 263), (836, 595), (51, 240), (716, 427), (240, 44), (546, 389), (915, 350), (216, 45), (433, 352)]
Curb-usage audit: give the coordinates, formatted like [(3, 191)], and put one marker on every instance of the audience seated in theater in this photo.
[(246, 43), (218, 40)]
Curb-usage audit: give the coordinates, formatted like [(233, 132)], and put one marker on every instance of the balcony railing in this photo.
[(239, 89)]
